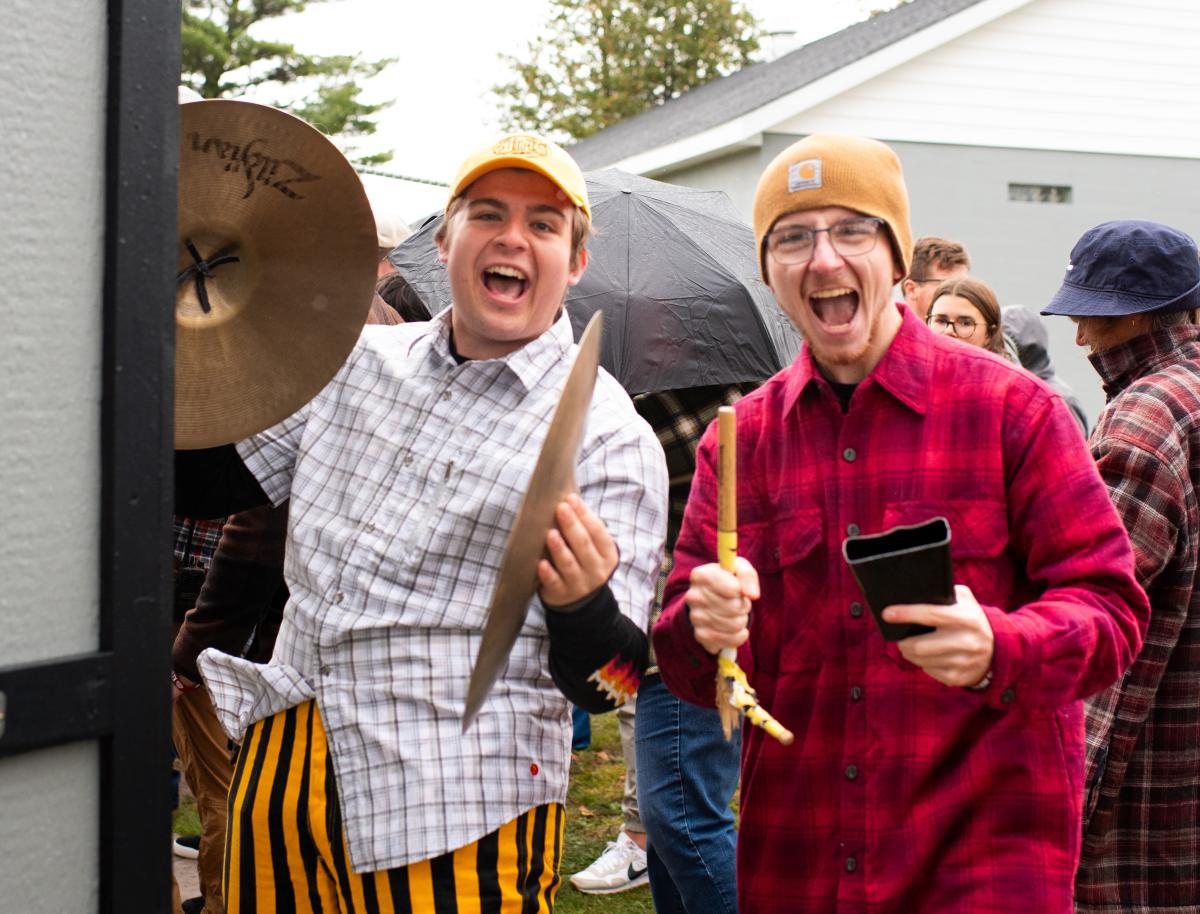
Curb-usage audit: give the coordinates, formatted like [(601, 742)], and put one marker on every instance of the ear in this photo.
[(907, 288), (443, 245), (576, 273)]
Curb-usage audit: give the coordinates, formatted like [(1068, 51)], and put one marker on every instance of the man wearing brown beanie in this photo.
[(941, 772)]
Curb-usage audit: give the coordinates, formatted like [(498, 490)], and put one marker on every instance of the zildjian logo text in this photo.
[(256, 165)]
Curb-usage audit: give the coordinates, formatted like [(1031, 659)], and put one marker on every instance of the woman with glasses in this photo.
[(967, 309)]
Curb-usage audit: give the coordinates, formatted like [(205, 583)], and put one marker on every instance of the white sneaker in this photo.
[(621, 867)]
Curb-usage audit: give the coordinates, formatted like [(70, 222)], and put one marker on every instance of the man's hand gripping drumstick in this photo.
[(719, 597)]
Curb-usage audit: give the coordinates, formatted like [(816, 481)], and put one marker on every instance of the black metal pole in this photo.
[(142, 152)]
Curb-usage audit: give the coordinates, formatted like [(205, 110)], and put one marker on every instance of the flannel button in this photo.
[(849, 455), (693, 660), (1007, 696), (445, 395), (533, 769), (852, 530), (851, 772), (856, 609), (326, 669), (851, 864), (855, 693), (338, 597), (370, 528)]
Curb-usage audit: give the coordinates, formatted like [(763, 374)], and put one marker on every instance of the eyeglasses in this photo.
[(920, 282), (959, 326), (796, 243)]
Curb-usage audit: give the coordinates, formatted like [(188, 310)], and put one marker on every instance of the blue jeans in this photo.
[(687, 774)]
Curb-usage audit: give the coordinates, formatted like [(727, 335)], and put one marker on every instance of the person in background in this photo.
[(1025, 334), (390, 230), (688, 770), (967, 310), (934, 260), (1132, 289), (394, 290)]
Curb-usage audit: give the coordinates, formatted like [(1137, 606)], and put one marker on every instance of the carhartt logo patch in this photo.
[(527, 146), (804, 175)]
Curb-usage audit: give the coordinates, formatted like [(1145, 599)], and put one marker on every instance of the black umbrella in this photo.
[(674, 271)]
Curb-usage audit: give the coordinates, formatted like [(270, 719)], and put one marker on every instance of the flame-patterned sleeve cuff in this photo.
[(597, 655)]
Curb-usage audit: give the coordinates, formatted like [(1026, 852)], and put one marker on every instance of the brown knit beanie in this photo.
[(829, 169)]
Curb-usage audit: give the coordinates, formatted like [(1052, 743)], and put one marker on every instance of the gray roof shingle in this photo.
[(723, 99)]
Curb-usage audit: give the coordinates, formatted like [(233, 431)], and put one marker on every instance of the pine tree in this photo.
[(222, 60)]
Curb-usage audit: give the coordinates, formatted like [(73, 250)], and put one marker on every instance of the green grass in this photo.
[(597, 782), (185, 820)]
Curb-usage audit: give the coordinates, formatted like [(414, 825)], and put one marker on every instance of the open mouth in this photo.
[(506, 283), (834, 307)]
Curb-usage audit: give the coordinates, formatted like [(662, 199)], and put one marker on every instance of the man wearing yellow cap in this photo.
[(942, 772), (356, 788)]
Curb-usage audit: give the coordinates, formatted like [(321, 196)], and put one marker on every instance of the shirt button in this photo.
[(856, 609), (408, 460), (852, 530), (851, 772), (338, 597), (370, 528), (849, 455), (326, 670), (1007, 696), (445, 395), (851, 864), (855, 693)]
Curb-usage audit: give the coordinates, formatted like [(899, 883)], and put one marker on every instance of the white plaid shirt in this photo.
[(405, 475)]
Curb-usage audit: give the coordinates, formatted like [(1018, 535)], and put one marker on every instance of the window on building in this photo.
[(1039, 193)]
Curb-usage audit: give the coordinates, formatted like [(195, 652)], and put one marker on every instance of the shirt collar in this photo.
[(1123, 364), (528, 364), (904, 371)]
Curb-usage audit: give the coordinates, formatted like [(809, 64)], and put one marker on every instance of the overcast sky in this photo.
[(447, 51)]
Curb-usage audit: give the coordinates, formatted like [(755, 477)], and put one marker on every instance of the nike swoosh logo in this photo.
[(634, 873)]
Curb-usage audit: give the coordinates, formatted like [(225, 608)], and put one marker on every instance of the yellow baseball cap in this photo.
[(529, 151)]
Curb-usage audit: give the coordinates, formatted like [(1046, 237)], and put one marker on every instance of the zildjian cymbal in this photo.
[(553, 480), (275, 268)]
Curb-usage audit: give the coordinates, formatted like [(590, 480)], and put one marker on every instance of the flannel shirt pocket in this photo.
[(789, 563)]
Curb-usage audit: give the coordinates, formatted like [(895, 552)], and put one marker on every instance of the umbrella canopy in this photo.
[(674, 271)]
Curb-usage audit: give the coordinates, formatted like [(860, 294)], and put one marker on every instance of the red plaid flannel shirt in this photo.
[(1141, 837), (901, 794)]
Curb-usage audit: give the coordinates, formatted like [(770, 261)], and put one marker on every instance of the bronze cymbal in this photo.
[(275, 267), (553, 480)]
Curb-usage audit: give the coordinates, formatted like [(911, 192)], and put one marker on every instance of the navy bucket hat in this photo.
[(1129, 267)]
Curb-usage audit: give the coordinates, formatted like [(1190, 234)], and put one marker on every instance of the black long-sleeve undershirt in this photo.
[(214, 482), (597, 655)]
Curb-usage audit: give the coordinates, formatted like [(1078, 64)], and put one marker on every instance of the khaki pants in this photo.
[(203, 750)]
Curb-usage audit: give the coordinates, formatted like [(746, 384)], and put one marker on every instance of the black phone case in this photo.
[(908, 564)]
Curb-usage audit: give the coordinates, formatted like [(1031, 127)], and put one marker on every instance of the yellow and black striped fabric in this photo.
[(285, 850)]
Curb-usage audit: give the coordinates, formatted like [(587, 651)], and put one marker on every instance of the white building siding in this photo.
[(52, 113), (1086, 75)]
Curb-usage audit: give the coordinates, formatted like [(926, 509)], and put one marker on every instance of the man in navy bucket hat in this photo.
[(1131, 289)]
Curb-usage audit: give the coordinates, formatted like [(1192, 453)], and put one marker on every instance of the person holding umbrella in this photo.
[(943, 772), (356, 788)]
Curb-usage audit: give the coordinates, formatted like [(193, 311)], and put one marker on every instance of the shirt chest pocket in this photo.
[(978, 542), (789, 554)]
